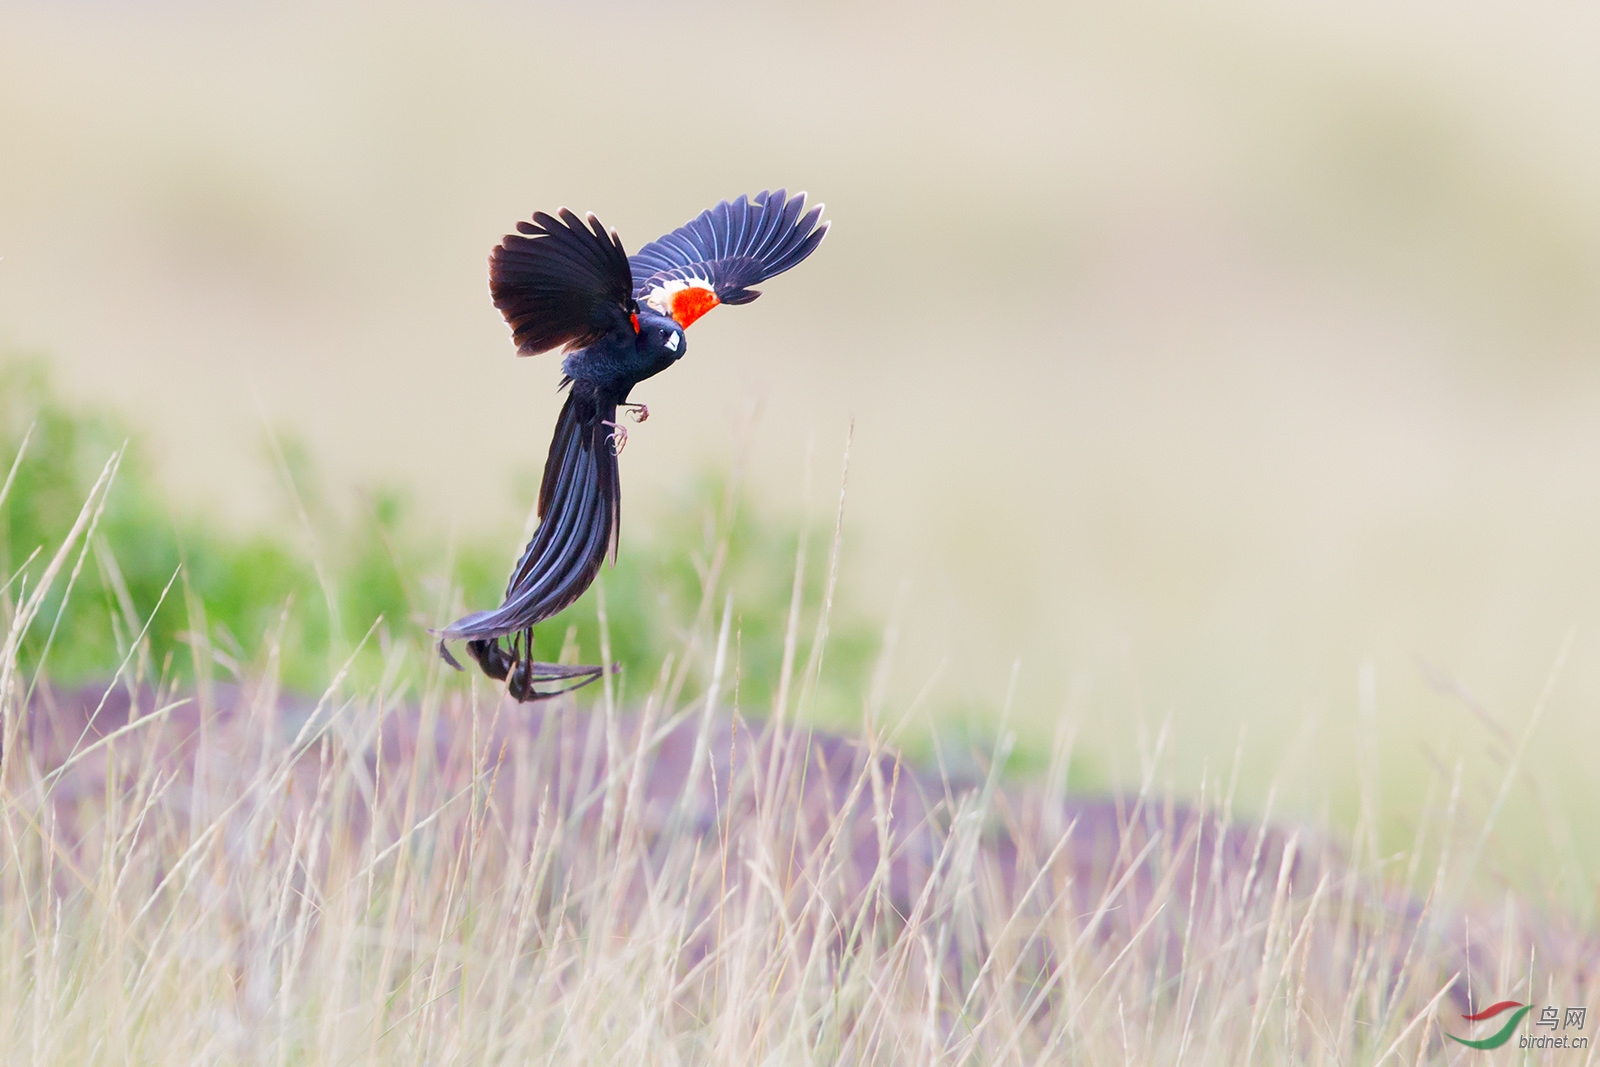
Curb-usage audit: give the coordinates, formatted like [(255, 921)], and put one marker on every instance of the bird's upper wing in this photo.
[(560, 282), (715, 258)]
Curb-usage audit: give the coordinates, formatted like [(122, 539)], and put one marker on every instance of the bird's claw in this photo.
[(526, 680), (618, 437), (637, 412)]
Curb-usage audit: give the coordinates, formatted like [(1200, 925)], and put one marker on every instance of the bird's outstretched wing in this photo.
[(560, 282), (715, 258)]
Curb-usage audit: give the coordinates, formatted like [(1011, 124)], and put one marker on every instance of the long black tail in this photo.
[(580, 512)]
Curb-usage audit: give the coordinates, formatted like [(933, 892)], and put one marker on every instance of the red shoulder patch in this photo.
[(690, 303)]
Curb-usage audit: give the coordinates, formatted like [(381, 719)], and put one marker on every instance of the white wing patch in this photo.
[(660, 298)]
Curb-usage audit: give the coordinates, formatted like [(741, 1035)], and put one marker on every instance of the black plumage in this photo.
[(565, 282), (560, 283)]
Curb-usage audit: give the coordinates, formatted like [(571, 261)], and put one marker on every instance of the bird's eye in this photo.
[(672, 342)]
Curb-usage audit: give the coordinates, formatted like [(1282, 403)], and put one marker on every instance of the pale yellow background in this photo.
[(1195, 355)]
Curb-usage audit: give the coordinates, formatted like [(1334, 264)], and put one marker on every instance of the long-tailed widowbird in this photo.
[(566, 282)]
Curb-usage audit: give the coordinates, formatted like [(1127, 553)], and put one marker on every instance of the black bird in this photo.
[(565, 282)]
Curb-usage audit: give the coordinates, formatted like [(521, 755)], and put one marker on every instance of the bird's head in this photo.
[(661, 340)]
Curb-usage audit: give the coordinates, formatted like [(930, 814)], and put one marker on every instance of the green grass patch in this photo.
[(312, 587)]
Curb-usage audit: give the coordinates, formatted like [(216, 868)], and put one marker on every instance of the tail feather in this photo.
[(579, 521)]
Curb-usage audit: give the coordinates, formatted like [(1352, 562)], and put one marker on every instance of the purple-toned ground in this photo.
[(868, 829)]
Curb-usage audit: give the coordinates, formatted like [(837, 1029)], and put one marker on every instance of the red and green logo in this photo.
[(1500, 1036)]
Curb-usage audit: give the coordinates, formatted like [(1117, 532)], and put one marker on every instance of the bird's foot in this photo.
[(531, 682), (636, 412), (527, 681), (618, 437)]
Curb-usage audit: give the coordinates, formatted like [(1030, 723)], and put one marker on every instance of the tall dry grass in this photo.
[(389, 876)]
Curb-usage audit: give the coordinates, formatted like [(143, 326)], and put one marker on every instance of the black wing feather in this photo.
[(732, 246), (561, 283)]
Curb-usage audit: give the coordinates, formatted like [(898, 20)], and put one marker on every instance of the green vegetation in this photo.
[(316, 585)]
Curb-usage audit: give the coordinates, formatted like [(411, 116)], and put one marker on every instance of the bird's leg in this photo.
[(636, 412), (519, 679), (618, 437)]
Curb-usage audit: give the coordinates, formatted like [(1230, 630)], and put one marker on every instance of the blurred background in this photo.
[(1201, 362)]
